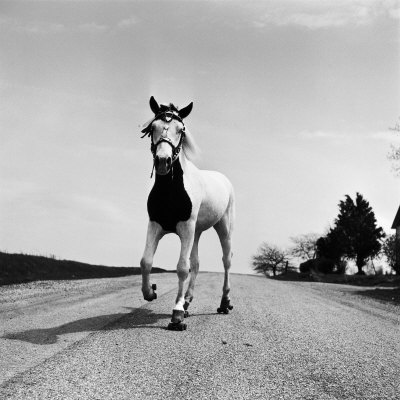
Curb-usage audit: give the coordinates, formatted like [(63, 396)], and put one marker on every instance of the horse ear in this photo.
[(154, 105), (184, 112)]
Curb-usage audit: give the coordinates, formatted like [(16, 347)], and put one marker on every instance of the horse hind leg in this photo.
[(224, 231)]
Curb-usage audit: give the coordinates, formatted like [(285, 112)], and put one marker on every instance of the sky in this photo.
[(292, 101)]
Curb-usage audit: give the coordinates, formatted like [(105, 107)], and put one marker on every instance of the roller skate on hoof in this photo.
[(180, 326), (177, 323), (154, 287), (185, 307), (150, 295), (224, 307)]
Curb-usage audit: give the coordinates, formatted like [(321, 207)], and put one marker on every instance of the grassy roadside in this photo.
[(20, 268), (357, 280), (385, 288)]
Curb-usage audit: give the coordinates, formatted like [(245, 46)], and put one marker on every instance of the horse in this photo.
[(186, 201)]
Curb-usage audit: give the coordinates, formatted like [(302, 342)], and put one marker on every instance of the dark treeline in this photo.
[(353, 236)]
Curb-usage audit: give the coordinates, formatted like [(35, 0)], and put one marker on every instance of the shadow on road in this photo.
[(137, 318), (390, 295)]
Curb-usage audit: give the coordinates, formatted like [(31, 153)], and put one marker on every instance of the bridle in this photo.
[(167, 116)]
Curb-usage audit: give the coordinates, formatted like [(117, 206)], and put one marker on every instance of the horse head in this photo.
[(167, 132)]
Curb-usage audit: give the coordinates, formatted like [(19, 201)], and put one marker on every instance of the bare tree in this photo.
[(394, 154), (304, 246), (390, 251), (269, 258)]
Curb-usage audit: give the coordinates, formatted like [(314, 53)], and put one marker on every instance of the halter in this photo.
[(167, 115)]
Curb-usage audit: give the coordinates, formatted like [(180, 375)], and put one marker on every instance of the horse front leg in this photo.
[(154, 234), (194, 270), (185, 232)]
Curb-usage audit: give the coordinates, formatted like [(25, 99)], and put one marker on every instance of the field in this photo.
[(20, 268)]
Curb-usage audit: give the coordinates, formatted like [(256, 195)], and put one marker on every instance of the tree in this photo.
[(305, 246), (331, 247), (322, 265), (268, 259), (394, 154), (357, 229), (389, 249)]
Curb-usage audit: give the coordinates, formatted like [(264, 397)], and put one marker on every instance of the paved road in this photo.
[(98, 340)]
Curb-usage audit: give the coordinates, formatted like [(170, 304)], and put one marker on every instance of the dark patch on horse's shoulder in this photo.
[(168, 201)]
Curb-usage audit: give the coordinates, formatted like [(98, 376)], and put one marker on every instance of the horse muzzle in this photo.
[(162, 165)]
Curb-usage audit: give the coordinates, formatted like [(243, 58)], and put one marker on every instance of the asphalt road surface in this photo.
[(97, 339)]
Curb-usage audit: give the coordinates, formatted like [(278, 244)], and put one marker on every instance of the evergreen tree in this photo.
[(331, 246), (357, 226)]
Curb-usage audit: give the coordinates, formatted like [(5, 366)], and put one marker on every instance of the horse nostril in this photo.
[(169, 162), (157, 161)]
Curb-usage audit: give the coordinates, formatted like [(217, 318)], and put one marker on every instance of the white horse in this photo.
[(186, 201)]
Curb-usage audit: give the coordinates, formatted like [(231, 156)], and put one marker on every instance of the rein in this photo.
[(166, 116)]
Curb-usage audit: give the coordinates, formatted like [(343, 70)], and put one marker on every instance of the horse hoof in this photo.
[(177, 316), (224, 307), (186, 314), (180, 326), (149, 296)]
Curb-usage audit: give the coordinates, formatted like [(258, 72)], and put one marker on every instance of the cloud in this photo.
[(92, 208), (392, 8), (44, 27), (127, 22), (324, 14), (321, 135), (31, 27), (39, 200), (387, 136), (395, 13), (93, 28)]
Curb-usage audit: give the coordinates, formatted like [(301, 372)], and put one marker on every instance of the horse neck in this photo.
[(183, 161), (174, 177)]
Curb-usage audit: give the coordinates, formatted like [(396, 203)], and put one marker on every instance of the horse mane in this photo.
[(189, 146), (168, 107)]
